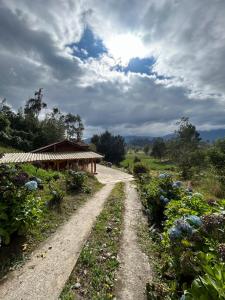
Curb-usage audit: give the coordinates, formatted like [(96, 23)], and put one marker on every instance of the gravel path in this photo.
[(44, 275), (109, 175), (134, 270)]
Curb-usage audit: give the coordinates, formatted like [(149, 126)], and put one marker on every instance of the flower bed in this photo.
[(190, 233)]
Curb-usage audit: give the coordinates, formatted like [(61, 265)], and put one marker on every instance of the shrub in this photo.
[(139, 169), (211, 284), (136, 159), (157, 194), (20, 209), (76, 181), (56, 197)]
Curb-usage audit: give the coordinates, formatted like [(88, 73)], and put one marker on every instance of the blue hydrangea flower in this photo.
[(31, 185), (194, 220), (162, 176), (166, 200), (174, 233), (177, 184), (184, 226), (161, 198)]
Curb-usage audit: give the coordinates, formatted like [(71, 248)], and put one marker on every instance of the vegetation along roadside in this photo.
[(94, 274), (34, 202)]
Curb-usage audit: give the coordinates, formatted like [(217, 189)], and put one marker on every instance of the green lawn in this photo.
[(152, 163)]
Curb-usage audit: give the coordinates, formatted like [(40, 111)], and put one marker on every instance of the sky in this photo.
[(133, 67)]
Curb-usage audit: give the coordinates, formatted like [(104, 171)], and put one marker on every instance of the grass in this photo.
[(94, 274), (150, 245), (14, 254), (153, 164)]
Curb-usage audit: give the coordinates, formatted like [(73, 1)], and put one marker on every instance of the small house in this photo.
[(58, 156)]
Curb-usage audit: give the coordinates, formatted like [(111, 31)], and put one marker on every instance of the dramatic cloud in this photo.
[(133, 67)]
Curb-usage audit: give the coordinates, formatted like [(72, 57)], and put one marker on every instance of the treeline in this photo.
[(25, 130), (191, 155)]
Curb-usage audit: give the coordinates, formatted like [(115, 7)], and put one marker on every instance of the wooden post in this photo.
[(95, 166), (92, 166)]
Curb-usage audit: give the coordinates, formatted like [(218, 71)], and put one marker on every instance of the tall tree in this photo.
[(35, 105), (74, 127), (158, 148), (113, 147), (186, 148)]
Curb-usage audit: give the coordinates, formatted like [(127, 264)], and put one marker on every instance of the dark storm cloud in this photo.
[(16, 36)]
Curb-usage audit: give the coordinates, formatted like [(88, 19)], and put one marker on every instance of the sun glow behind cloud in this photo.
[(124, 47)]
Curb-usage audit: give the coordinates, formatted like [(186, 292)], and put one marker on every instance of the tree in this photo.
[(187, 151), (146, 149), (113, 147), (74, 126), (217, 159), (158, 148), (35, 105), (24, 130)]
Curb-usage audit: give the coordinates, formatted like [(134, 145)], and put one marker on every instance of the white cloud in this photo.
[(186, 37)]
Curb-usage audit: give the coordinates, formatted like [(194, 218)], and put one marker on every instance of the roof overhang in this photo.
[(48, 156)]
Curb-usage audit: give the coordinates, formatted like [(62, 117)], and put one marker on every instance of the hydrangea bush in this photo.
[(20, 208), (189, 228)]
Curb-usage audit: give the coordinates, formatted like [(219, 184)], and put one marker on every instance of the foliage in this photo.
[(136, 159), (146, 149), (20, 208), (158, 148), (157, 194), (190, 228), (211, 285), (112, 146), (35, 171), (150, 162), (139, 169), (185, 149), (76, 181), (217, 159), (24, 130)]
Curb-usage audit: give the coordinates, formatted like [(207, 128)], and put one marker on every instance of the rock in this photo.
[(77, 285)]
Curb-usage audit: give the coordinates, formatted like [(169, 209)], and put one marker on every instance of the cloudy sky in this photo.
[(130, 66)]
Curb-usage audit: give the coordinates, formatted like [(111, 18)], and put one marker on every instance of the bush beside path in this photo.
[(45, 274)]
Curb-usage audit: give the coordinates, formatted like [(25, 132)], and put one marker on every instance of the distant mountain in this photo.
[(206, 135), (136, 140), (212, 135)]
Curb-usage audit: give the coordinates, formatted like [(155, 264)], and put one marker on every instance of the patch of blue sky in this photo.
[(88, 46), (137, 65)]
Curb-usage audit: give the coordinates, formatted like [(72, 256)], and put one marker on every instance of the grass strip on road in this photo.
[(94, 274)]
